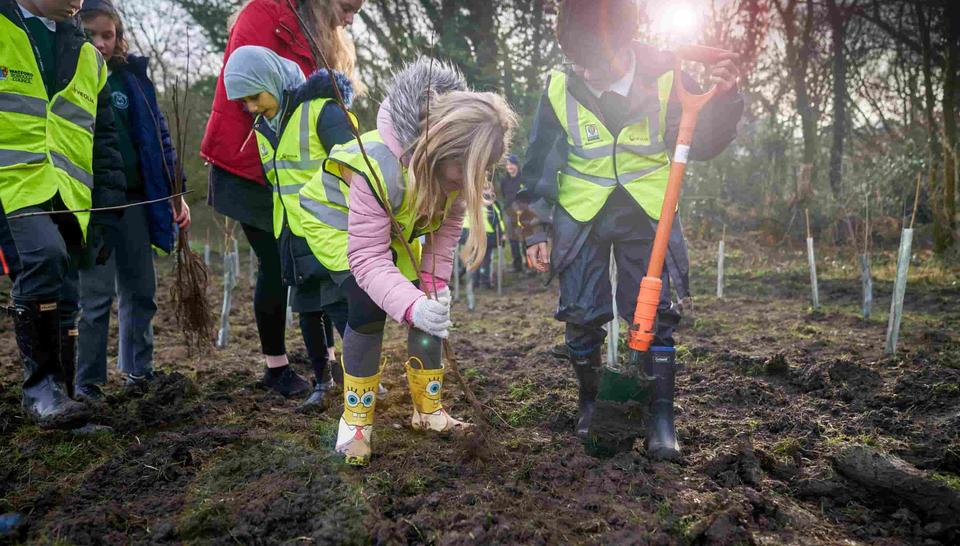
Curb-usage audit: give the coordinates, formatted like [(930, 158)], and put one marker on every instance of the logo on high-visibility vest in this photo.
[(15, 75), (593, 132)]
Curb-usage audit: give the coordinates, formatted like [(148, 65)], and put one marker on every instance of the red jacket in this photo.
[(271, 24)]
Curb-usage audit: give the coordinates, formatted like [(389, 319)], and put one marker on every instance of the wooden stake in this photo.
[(916, 202)]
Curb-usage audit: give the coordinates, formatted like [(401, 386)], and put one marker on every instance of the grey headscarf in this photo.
[(254, 69)]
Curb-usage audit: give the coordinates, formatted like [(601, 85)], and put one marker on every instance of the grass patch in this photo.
[(862, 439), (950, 480), (473, 374), (526, 415), (520, 392), (68, 455), (270, 491), (946, 389), (707, 327), (787, 447)]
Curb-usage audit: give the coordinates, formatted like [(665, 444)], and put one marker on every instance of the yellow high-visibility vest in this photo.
[(325, 203), (46, 143), (599, 161), (299, 156)]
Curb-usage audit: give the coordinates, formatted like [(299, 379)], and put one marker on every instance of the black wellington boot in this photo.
[(588, 369), (661, 441), (322, 383), (68, 358), (45, 398)]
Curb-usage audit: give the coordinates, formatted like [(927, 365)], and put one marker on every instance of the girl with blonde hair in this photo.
[(429, 171), (238, 188)]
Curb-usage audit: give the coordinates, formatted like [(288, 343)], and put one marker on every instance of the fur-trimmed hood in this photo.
[(407, 94), (320, 86)]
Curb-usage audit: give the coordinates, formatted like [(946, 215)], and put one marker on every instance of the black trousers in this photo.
[(586, 303), (270, 295)]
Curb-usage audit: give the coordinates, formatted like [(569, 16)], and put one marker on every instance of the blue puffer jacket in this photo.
[(158, 157)]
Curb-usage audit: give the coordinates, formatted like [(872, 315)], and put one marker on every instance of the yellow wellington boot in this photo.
[(356, 424), (425, 389)]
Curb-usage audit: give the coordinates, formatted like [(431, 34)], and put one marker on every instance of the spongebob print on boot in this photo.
[(355, 431), (426, 386)]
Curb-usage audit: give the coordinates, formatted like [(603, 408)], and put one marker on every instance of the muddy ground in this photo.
[(772, 398)]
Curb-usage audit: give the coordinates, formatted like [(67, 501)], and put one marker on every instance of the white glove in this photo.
[(433, 317), (443, 296)]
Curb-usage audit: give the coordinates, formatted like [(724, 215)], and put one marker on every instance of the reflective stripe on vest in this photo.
[(324, 203), (46, 144), (388, 166), (598, 161), (298, 157)]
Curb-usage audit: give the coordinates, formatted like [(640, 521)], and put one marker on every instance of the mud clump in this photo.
[(735, 466), (147, 480), (168, 399), (615, 427), (278, 491), (214, 486)]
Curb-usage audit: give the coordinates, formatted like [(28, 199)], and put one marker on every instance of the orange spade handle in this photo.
[(641, 334)]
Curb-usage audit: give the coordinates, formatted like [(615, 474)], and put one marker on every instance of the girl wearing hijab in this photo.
[(237, 186), (297, 124), (429, 189)]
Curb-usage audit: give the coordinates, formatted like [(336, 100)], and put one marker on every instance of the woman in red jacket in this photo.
[(237, 187)]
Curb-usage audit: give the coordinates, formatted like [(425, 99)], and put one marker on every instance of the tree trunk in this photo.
[(808, 115), (940, 223), (481, 29), (950, 76), (838, 24), (798, 51)]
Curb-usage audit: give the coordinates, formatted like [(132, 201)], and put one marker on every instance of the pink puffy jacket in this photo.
[(368, 250)]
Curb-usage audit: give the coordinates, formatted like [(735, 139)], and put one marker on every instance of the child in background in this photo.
[(508, 190), (237, 186), (428, 190), (297, 125), (493, 228), (149, 166)]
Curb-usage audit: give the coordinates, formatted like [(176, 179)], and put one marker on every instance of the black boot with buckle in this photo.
[(45, 396)]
